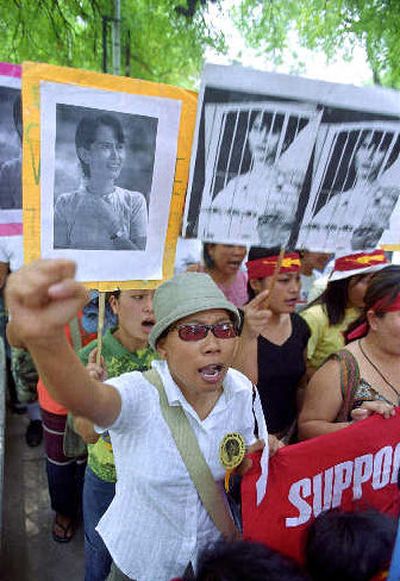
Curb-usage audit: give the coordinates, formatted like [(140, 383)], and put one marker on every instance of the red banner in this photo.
[(354, 467)]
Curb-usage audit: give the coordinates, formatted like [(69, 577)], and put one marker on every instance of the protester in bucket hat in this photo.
[(156, 524), (187, 294), (331, 313)]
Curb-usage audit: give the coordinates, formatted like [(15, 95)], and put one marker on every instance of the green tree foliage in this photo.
[(333, 26), (157, 41)]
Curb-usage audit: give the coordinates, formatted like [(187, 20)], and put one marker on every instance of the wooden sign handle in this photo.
[(100, 325), (275, 275)]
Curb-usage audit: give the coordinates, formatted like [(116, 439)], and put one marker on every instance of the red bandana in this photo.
[(263, 267), (381, 306), (360, 260)]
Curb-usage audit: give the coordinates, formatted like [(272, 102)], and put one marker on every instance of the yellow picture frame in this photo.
[(33, 74)]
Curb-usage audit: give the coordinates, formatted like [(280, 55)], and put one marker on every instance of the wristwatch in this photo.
[(116, 235)]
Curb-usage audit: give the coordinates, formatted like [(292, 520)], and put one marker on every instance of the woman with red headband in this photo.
[(274, 337), (364, 377), (339, 305)]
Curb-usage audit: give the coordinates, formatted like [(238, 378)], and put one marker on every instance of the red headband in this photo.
[(381, 306), (360, 260), (263, 267)]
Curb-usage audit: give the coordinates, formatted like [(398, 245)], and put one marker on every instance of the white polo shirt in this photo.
[(156, 523)]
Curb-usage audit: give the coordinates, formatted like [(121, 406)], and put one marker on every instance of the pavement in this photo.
[(28, 550)]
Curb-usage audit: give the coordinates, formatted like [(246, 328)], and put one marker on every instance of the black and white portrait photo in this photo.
[(101, 195), (249, 169), (356, 187), (107, 170), (284, 160), (252, 190), (10, 149)]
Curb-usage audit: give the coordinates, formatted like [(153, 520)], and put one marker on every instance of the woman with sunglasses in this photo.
[(156, 524), (274, 337)]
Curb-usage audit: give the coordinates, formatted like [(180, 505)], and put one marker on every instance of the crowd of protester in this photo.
[(321, 359)]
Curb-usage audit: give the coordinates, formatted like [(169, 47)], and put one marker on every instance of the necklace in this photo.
[(379, 372)]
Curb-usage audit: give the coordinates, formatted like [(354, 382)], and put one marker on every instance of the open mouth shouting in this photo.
[(234, 264), (147, 325), (213, 373)]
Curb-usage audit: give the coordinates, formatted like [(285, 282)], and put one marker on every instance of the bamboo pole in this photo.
[(275, 275), (100, 325)]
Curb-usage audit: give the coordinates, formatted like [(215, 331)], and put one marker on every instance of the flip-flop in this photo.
[(67, 531)]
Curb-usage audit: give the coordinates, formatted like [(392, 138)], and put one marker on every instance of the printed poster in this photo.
[(106, 162), (282, 160)]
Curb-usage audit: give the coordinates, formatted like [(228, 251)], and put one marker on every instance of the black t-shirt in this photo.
[(280, 369)]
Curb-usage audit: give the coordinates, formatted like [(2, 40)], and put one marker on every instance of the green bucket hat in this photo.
[(184, 295)]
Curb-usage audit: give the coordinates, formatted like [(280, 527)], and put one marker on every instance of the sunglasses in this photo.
[(198, 331)]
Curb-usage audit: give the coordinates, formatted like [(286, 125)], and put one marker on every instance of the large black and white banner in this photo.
[(281, 160)]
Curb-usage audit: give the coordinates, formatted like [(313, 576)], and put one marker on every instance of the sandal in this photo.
[(67, 530)]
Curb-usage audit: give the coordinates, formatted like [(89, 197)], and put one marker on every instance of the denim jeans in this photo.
[(97, 496)]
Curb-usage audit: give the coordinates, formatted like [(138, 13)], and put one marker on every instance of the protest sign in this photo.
[(105, 171), (283, 160), (353, 468)]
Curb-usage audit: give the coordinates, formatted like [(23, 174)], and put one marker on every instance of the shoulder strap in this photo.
[(75, 334), (349, 381), (199, 471)]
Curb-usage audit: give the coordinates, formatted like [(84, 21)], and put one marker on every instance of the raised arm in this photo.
[(42, 298)]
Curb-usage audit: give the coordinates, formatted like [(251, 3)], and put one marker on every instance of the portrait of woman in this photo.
[(260, 203), (354, 204), (100, 215)]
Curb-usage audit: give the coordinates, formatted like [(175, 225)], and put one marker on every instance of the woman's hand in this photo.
[(42, 298), (247, 463), (98, 372), (98, 211), (373, 407), (256, 315), (274, 444)]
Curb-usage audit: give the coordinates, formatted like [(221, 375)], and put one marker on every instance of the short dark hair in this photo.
[(208, 261), (349, 546), (271, 121), (86, 130), (246, 561)]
